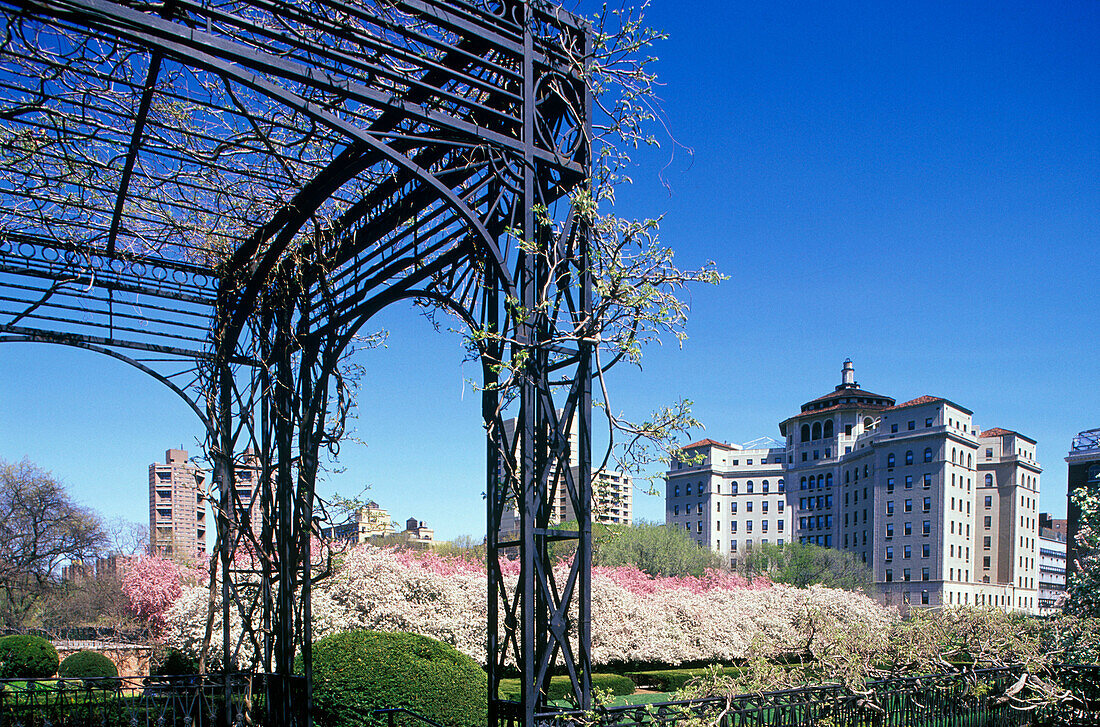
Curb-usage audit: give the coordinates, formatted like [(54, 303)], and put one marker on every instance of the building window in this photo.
[(748, 487), (912, 425), (688, 510), (748, 526), (927, 481), (816, 431), (928, 454), (989, 452), (781, 503), (906, 574), (890, 507), (889, 574), (924, 598), (889, 530), (924, 573), (675, 509), (889, 484), (890, 459), (926, 551), (688, 490), (989, 480), (928, 422), (907, 551), (764, 526), (908, 482), (781, 485), (827, 433), (805, 431), (909, 457), (748, 506), (764, 506), (889, 553), (927, 527), (893, 428), (908, 528), (988, 522), (987, 543), (989, 500), (779, 525), (765, 486), (985, 562), (928, 504), (847, 430), (908, 506)]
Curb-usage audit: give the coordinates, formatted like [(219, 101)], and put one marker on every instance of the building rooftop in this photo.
[(1086, 440), (709, 443), (999, 432)]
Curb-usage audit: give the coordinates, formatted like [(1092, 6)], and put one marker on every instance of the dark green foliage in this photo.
[(87, 664), (176, 663), (802, 565), (671, 680), (27, 657), (357, 672), (561, 688), (659, 550)]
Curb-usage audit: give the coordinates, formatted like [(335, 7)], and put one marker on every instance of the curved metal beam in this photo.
[(115, 355)]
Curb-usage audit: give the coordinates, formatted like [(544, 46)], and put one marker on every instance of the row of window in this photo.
[(779, 505), (911, 425), (765, 488), (906, 574)]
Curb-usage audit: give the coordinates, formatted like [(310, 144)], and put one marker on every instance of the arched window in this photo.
[(909, 457), (802, 484), (890, 461), (719, 489), (847, 476), (748, 487), (700, 488), (989, 480), (969, 461), (868, 422), (828, 431), (927, 454), (805, 432), (781, 485), (820, 481), (952, 455), (829, 479), (816, 431), (765, 484), (733, 487), (688, 489), (676, 491)]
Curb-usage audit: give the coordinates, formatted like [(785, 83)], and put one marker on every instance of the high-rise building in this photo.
[(941, 511), (177, 506), (1084, 471), (612, 493), (1052, 567)]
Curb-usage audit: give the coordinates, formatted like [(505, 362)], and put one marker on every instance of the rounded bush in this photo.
[(357, 672), (87, 664), (27, 657)]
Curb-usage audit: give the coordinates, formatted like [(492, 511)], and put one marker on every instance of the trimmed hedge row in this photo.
[(356, 672), (27, 657), (560, 686), (671, 680)]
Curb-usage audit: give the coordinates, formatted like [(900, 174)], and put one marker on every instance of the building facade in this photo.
[(1052, 568), (369, 521), (1084, 472), (177, 506), (612, 494), (941, 511)]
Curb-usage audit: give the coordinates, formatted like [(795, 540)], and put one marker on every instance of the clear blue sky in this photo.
[(914, 186)]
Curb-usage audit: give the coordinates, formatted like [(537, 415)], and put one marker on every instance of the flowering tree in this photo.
[(636, 618), (153, 584), (1083, 589)]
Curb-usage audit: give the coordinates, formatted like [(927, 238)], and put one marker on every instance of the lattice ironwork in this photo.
[(222, 193)]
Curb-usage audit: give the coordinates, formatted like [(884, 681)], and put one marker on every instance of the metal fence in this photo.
[(970, 699), (210, 700)]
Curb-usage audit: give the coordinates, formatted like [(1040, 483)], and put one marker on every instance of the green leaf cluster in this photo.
[(27, 657)]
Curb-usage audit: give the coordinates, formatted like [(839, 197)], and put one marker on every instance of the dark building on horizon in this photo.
[(1084, 468)]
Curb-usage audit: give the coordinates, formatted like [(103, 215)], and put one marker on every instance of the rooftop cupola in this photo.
[(847, 376)]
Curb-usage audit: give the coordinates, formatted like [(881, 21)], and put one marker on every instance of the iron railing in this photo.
[(967, 699), (161, 701)]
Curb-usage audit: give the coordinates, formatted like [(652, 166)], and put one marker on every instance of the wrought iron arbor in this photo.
[(223, 192)]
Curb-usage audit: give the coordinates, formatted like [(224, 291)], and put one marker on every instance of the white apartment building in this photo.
[(1052, 571), (943, 512)]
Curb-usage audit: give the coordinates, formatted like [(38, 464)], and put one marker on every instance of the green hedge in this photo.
[(356, 672), (27, 657), (671, 680), (560, 686), (87, 664)]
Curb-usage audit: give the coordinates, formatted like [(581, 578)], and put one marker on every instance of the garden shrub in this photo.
[(356, 672), (176, 663), (560, 686), (87, 664), (27, 657), (672, 680)]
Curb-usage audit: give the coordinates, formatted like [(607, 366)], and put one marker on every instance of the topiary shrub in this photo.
[(356, 672), (176, 663), (86, 664), (27, 657)]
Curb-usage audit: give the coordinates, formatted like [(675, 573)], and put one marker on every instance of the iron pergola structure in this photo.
[(222, 193)]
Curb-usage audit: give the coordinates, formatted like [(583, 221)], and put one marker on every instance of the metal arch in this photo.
[(498, 161), (87, 346)]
